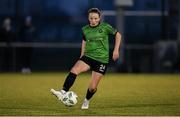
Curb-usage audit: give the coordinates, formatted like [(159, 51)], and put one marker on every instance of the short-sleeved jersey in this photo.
[(97, 41)]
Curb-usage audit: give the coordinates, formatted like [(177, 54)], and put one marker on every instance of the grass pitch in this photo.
[(118, 94)]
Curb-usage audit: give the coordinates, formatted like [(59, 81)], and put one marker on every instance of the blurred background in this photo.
[(45, 35)]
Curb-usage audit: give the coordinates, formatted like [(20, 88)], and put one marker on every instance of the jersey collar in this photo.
[(94, 26)]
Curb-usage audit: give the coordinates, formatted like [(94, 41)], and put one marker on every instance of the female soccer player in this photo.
[(94, 55)]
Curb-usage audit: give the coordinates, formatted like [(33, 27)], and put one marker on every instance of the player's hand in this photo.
[(115, 55)]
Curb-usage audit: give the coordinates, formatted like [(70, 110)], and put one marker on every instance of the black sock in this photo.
[(89, 94), (69, 81)]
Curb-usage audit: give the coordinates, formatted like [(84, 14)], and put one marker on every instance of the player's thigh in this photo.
[(95, 79), (79, 67)]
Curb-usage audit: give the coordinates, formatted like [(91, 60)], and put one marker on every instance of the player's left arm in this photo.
[(116, 46)]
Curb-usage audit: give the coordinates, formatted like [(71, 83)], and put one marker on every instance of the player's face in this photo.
[(94, 19)]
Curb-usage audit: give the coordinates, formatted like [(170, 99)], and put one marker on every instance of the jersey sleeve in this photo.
[(111, 30), (83, 37)]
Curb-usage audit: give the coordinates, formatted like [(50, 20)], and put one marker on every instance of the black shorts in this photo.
[(95, 65)]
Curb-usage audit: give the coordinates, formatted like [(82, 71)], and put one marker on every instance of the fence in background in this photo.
[(61, 56)]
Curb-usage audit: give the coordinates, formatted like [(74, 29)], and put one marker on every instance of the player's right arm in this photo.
[(83, 47)]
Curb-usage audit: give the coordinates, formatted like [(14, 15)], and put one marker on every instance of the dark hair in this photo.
[(94, 10)]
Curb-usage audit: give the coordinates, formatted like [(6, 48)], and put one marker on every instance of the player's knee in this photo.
[(74, 70)]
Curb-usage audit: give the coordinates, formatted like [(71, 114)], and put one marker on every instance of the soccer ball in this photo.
[(70, 98)]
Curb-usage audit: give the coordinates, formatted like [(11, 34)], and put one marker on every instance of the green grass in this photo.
[(118, 94)]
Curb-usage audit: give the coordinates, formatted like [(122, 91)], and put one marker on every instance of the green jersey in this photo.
[(97, 41)]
